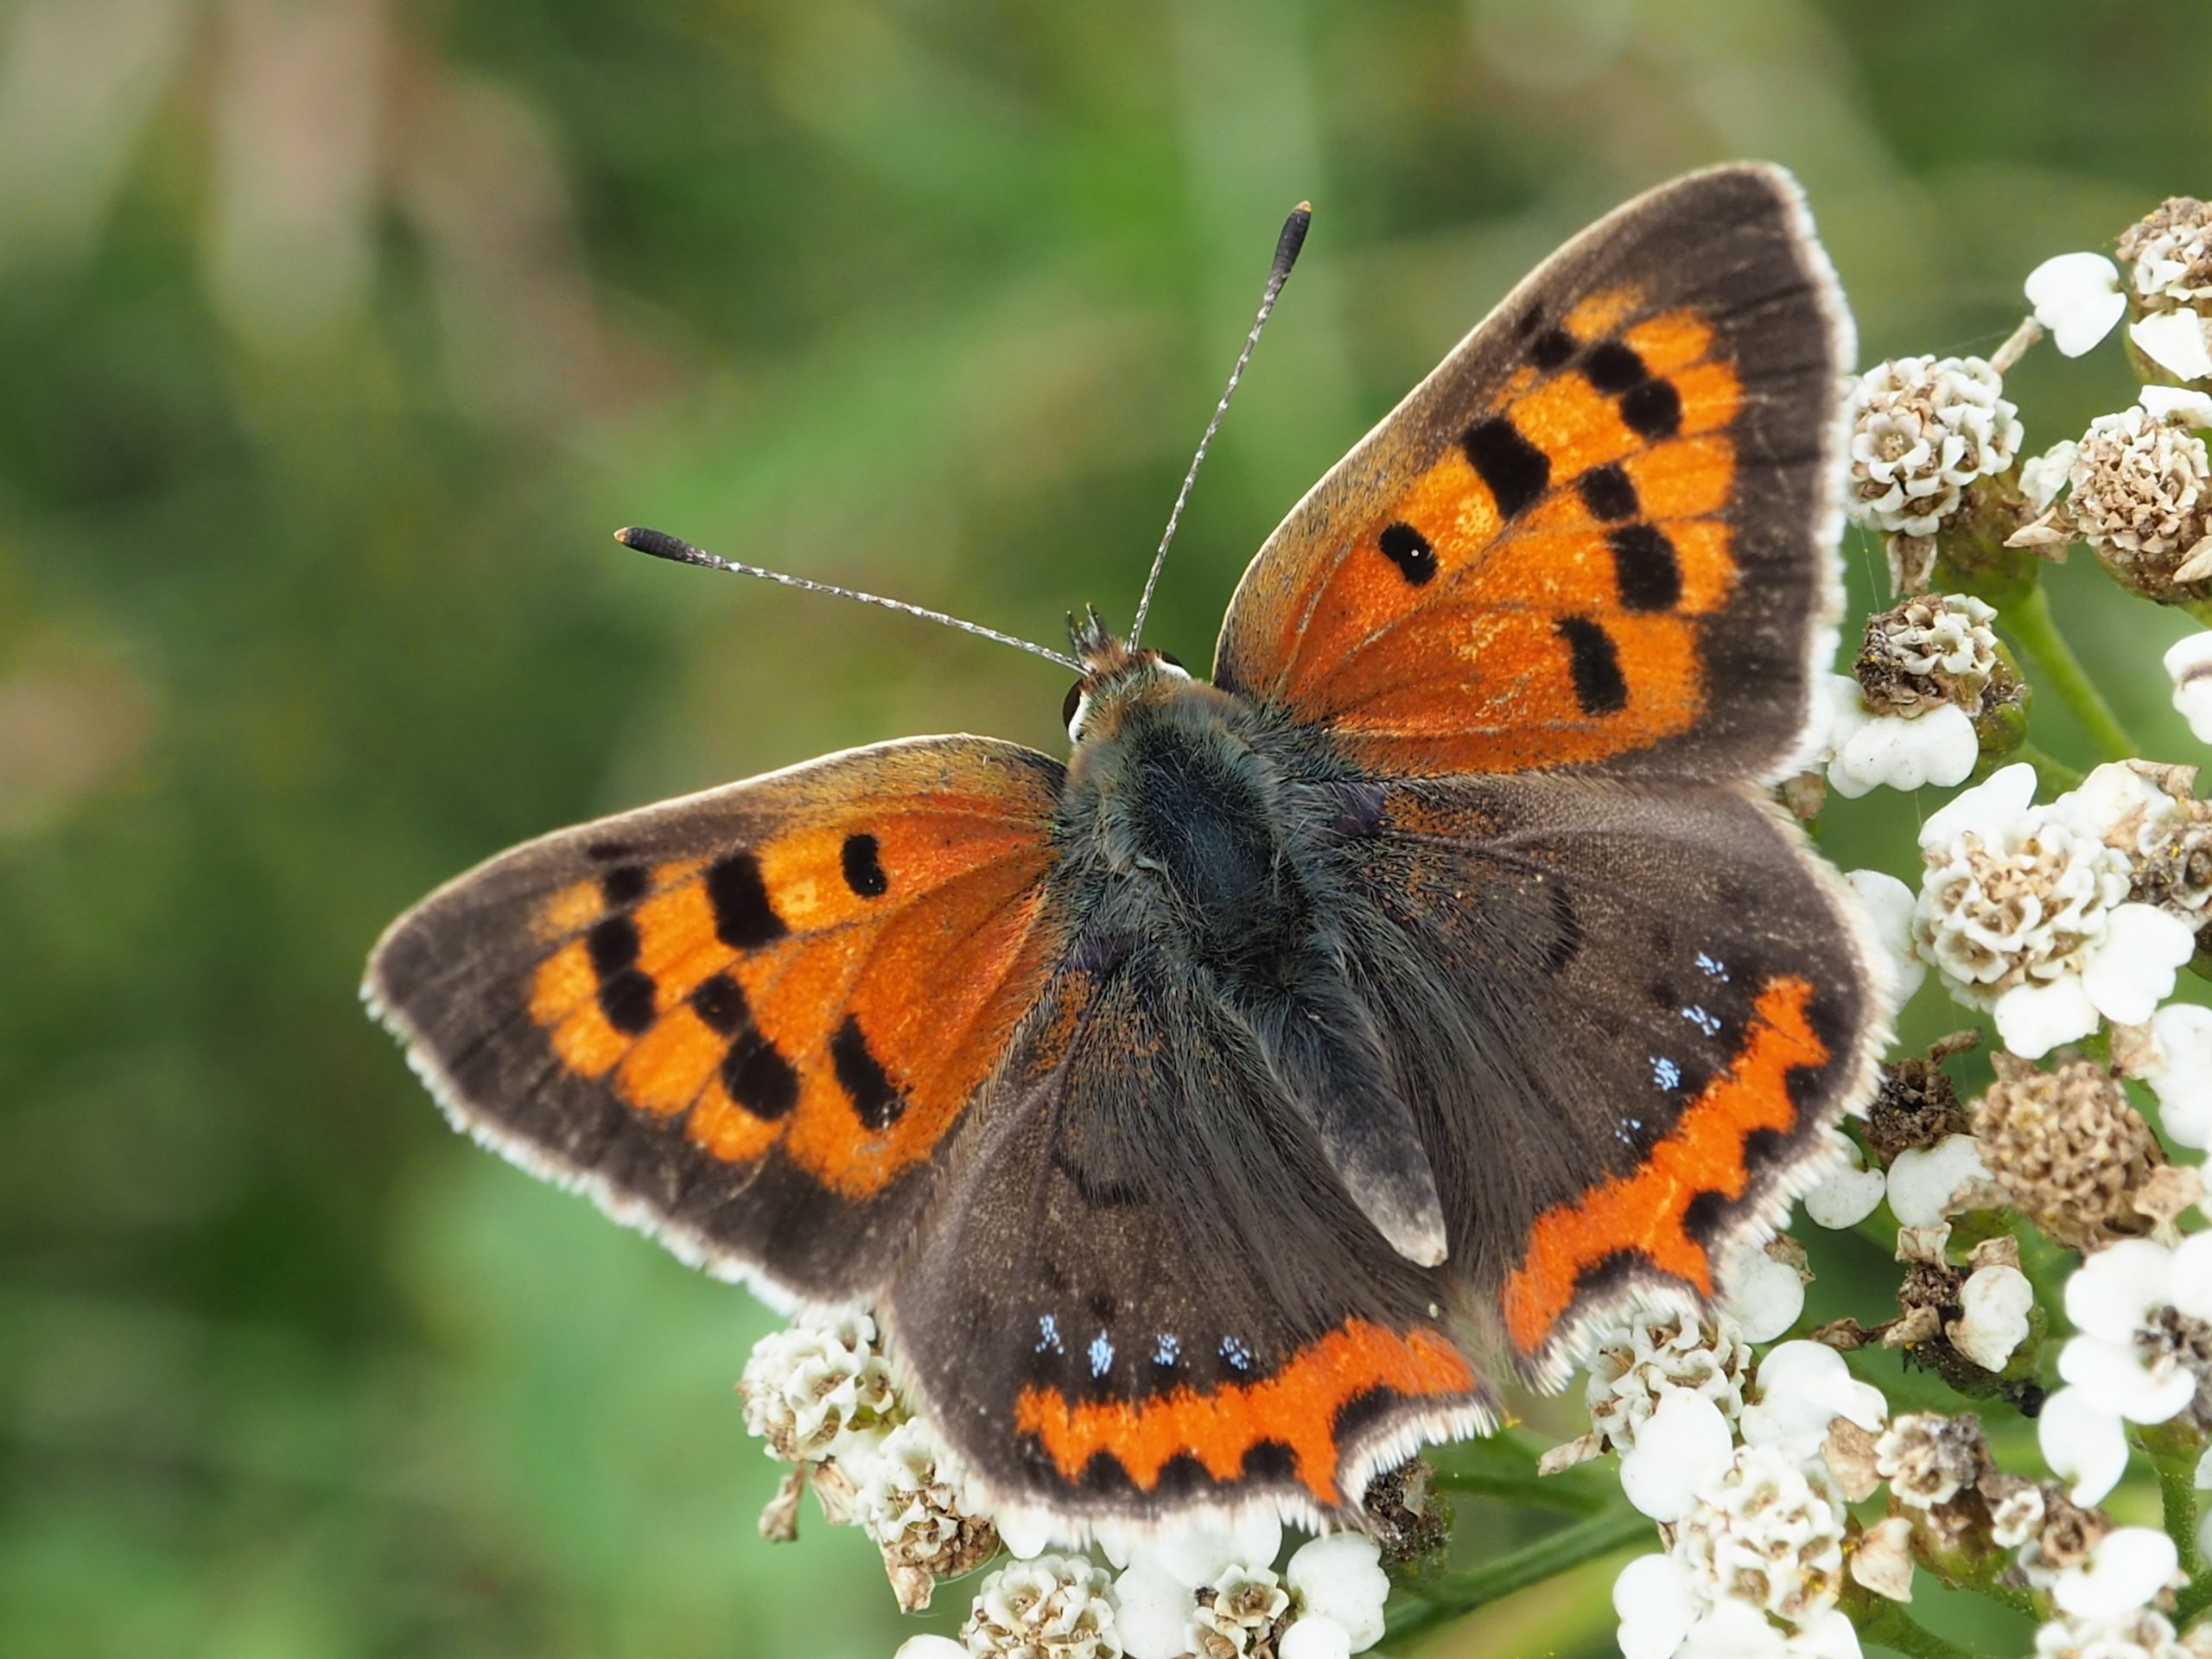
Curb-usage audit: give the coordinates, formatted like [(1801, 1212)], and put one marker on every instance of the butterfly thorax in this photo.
[(1173, 800), (1198, 833)]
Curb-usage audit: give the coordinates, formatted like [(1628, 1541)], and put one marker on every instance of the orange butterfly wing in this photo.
[(749, 1018), (1596, 535)]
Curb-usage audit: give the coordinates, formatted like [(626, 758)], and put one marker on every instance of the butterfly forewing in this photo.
[(1600, 534), (750, 1018)]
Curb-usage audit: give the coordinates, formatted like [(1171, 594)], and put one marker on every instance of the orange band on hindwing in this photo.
[(1644, 1214), (1220, 1428)]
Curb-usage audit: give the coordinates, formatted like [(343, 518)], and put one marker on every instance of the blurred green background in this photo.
[(335, 338)]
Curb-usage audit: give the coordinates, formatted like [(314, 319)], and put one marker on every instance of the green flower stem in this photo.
[(2054, 775), (2029, 620), (2191, 1600), (1885, 1624), (1503, 1466), (1445, 1596), (2174, 1453), (1554, 1493)]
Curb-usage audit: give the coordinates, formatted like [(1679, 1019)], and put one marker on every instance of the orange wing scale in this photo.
[(1361, 645), (831, 997)]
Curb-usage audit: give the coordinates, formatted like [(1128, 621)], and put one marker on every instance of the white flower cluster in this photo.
[(2025, 911), (817, 1391), (1923, 430), (1756, 1529), (2170, 268), (2143, 1311), (2138, 491), (2104, 1609), (2080, 296), (1208, 1590)]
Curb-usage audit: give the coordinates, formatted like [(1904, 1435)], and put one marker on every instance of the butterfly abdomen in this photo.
[(1210, 855)]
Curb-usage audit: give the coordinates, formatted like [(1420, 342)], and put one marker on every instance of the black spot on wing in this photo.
[(1704, 1216), (625, 993), (758, 1078), (1362, 1412), (1614, 367), (875, 1101), (1514, 468), (626, 999), (1107, 1476), (863, 870), (744, 918), (623, 885), (1646, 571), (1593, 660), (720, 1004), (612, 943), (1551, 348), (1270, 1463), (1607, 491), (1408, 549), (1653, 409)]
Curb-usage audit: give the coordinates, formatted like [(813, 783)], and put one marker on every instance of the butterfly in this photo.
[(1215, 1117)]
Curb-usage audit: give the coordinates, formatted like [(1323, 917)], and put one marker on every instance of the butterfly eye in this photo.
[(1068, 709), (1173, 660)]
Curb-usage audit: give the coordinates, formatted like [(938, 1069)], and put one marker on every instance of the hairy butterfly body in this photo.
[(1210, 1119)]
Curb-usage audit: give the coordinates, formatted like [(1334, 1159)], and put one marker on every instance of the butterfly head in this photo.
[(1116, 675)]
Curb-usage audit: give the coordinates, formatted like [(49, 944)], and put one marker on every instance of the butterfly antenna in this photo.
[(662, 545), (1287, 247)]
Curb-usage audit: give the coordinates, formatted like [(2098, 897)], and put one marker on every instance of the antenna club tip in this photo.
[(661, 545), (1292, 240)]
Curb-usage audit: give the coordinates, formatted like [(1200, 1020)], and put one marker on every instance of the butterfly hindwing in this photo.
[(711, 1013), (1142, 1290), (1631, 1013), (1600, 534)]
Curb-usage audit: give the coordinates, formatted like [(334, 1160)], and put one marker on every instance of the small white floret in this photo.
[(2077, 297), (1685, 1443), (2175, 342), (1152, 1609), (2178, 405), (1315, 1638), (1340, 1579), (1802, 1387), (1889, 905), (2083, 1443), (1844, 1198), (1893, 752), (2127, 1567), (1928, 1184), (1993, 1322), (1656, 1605), (1763, 1295), (2183, 1082)]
